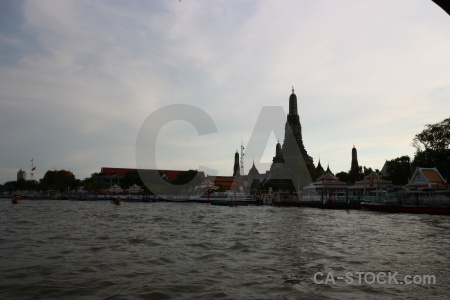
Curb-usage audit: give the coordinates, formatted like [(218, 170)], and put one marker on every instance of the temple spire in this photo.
[(292, 89), (236, 171), (354, 167)]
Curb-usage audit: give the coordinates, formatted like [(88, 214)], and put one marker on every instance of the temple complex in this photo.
[(292, 152)]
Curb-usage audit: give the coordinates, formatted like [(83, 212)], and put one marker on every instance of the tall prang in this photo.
[(278, 160), (354, 169), (295, 139), (355, 166), (236, 169)]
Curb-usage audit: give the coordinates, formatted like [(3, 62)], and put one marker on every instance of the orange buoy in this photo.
[(15, 200)]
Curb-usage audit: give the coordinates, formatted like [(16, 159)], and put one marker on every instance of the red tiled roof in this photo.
[(171, 174), (434, 186), (432, 175), (225, 181), (432, 180), (116, 171)]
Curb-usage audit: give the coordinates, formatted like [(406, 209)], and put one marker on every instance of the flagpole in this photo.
[(32, 169)]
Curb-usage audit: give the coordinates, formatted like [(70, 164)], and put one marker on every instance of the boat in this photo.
[(292, 199), (117, 201), (418, 202), (15, 199), (221, 198), (406, 208), (227, 199), (338, 200)]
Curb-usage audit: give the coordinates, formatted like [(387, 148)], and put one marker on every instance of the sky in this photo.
[(79, 78)]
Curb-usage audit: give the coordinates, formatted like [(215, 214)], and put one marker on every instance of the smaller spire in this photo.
[(292, 89)]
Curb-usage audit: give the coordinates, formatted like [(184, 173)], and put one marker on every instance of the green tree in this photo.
[(355, 174), (152, 183), (434, 137), (93, 184), (186, 181), (345, 177), (187, 177), (433, 147), (133, 177), (60, 180), (367, 171), (10, 186), (20, 185), (399, 170)]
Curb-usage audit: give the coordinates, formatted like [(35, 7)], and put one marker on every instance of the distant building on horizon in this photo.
[(21, 175)]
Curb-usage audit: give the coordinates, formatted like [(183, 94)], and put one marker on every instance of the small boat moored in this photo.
[(418, 202), (116, 201), (15, 199)]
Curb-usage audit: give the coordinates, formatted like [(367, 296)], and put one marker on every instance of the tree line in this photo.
[(432, 147), (64, 181)]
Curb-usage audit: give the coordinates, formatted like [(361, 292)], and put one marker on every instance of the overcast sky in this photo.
[(79, 78)]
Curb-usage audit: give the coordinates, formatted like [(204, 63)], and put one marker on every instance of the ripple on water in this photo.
[(73, 250)]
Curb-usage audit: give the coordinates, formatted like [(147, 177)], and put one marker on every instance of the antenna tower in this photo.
[(242, 159), (32, 169)]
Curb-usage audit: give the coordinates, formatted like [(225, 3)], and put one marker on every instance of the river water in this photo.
[(96, 250)]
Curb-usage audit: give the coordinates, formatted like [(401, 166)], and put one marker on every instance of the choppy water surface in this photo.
[(96, 250)]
